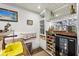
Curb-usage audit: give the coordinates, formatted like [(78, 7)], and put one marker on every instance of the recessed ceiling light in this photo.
[(56, 15), (38, 7)]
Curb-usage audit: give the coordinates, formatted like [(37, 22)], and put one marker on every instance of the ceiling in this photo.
[(39, 7)]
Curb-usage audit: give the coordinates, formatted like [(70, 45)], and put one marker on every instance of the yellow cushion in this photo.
[(13, 49)]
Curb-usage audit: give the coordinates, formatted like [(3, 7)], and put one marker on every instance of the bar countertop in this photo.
[(64, 33)]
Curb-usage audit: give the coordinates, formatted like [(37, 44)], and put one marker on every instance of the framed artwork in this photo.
[(8, 15), (29, 22)]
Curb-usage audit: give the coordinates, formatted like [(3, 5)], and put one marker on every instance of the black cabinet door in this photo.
[(29, 46), (71, 47), (57, 46)]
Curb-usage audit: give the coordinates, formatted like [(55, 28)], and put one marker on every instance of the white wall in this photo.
[(78, 28), (21, 25)]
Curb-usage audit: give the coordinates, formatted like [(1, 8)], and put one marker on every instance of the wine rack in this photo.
[(51, 44)]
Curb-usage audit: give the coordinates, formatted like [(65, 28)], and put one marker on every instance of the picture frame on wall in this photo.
[(8, 15), (29, 22)]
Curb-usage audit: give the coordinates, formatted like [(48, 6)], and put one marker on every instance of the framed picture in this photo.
[(8, 15), (29, 22)]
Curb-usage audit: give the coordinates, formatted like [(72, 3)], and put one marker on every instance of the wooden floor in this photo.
[(39, 52)]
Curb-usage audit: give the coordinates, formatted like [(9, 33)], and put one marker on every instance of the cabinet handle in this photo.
[(71, 40)]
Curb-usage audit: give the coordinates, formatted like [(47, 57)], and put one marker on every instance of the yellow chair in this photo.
[(13, 49)]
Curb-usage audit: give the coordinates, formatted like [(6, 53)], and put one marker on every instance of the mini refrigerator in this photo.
[(66, 46)]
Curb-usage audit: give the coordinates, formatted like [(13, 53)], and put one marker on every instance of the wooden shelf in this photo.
[(49, 52), (50, 44), (72, 34)]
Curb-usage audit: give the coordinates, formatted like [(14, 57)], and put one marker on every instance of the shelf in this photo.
[(49, 52), (64, 33), (51, 37), (50, 44)]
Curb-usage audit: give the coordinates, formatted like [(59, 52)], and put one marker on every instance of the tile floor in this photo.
[(39, 52)]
